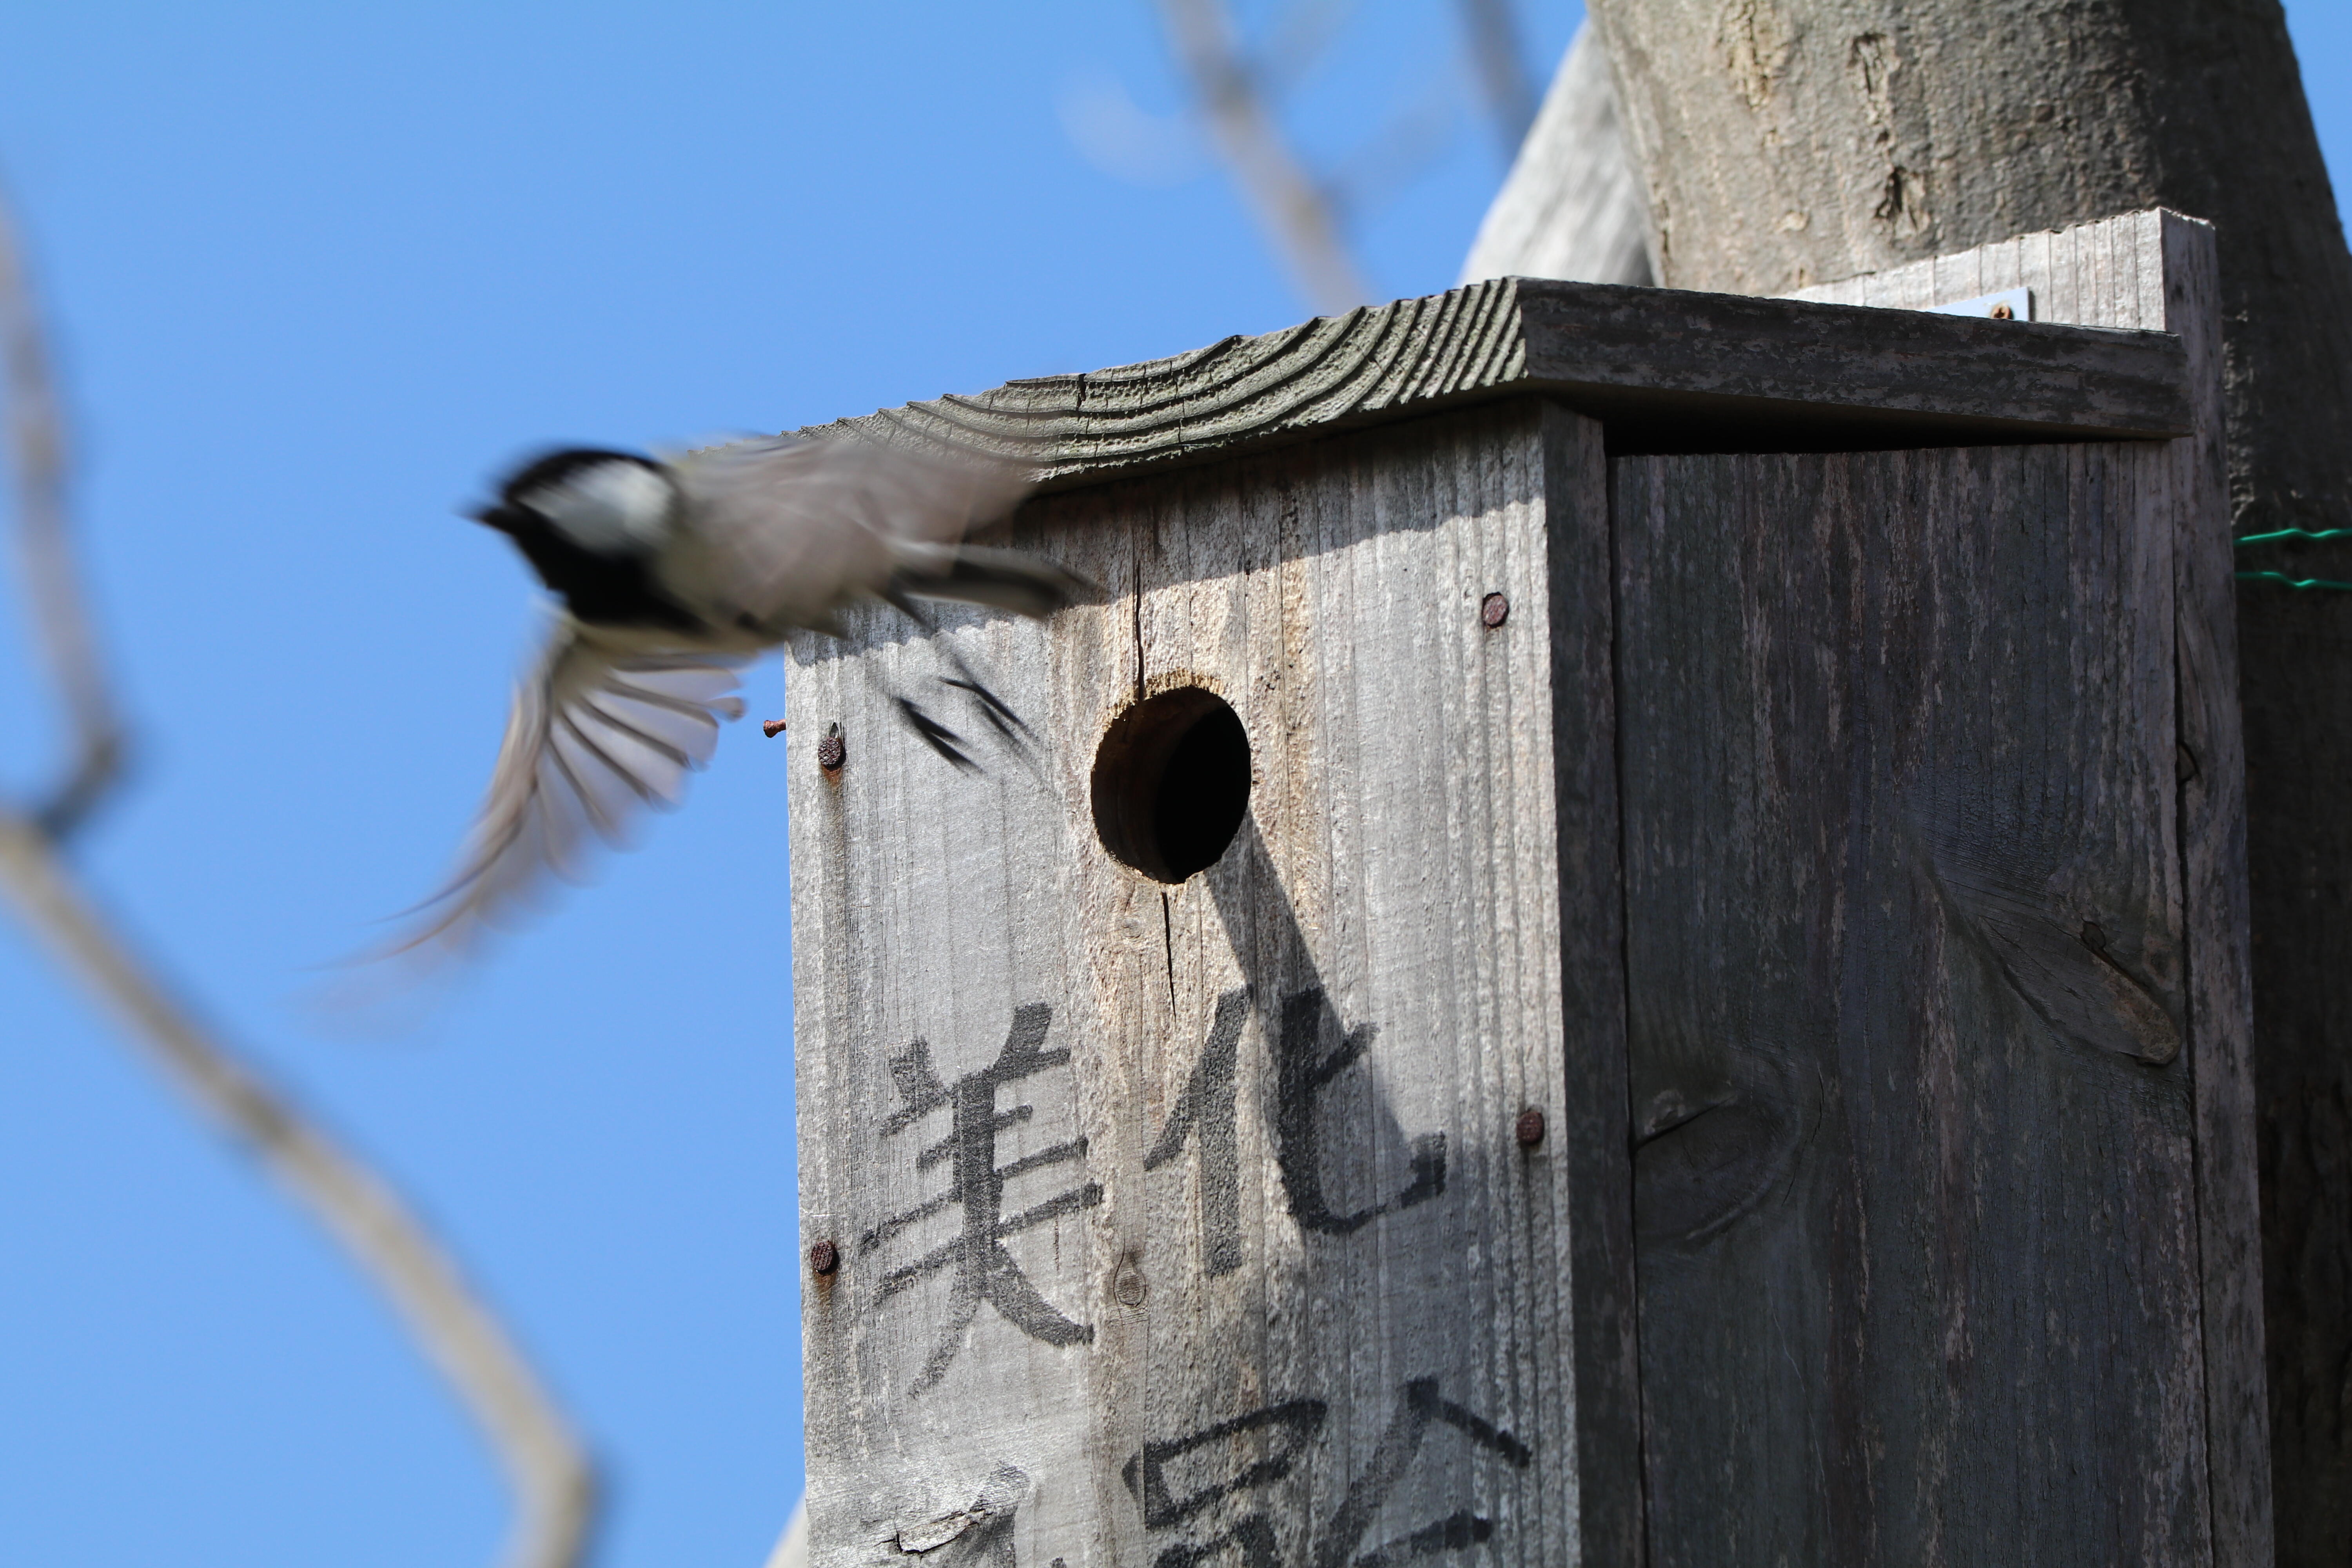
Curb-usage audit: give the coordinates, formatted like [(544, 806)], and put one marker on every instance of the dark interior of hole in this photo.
[(1202, 794), (1171, 784)]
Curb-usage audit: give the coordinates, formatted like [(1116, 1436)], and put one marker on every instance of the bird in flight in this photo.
[(670, 577)]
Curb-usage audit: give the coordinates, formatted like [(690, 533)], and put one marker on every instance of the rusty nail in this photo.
[(2094, 937), (1530, 1129), (1494, 609), (2002, 313), (772, 728), (824, 1257), (831, 751)]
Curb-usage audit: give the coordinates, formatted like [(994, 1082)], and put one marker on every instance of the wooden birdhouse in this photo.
[(1619, 938)]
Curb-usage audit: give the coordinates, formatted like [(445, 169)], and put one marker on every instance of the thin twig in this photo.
[(53, 589), (544, 1461), (554, 1483), (1502, 64), (1296, 213)]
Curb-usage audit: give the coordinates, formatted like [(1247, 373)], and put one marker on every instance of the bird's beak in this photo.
[(496, 517)]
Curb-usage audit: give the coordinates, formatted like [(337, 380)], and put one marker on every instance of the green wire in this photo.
[(2293, 582), (2293, 533), (2280, 577)]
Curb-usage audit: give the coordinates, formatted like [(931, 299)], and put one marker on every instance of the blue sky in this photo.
[(315, 271)]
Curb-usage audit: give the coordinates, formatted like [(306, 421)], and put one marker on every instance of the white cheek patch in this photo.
[(613, 508)]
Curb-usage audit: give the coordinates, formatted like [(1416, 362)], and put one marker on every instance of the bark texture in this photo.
[(1789, 142)]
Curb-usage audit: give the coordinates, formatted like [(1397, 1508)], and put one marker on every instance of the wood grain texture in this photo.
[(1790, 140), (1572, 205), (1665, 370), (1914, 1180), (1786, 142), (1186, 1223), (1318, 1300), (1588, 833), (2157, 270)]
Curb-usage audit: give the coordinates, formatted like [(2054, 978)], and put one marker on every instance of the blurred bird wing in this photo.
[(786, 531), (596, 734)]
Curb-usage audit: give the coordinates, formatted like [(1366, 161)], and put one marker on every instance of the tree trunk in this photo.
[(1789, 142)]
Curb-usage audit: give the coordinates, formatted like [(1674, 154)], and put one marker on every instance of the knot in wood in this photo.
[(1127, 1285)]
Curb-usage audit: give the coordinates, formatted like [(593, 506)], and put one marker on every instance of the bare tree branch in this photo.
[(53, 587), (1502, 63), (553, 1480), (544, 1461), (1296, 213)]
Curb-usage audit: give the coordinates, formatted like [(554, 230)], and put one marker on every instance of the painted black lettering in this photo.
[(1146, 1474), (983, 1269), (1250, 1540), (1302, 1072), (1419, 1407), (1206, 1106)]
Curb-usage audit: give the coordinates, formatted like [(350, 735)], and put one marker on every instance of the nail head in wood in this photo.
[(1494, 609), (831, 751), (1529, 1128), (772, 728), (824, 1257)]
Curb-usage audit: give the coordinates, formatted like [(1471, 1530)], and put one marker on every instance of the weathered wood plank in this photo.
[(2156, 272), (1294, 1289), (1915, 1176), (1943, 1235), (1572, 205), (1667, 369), (1604, 1303)]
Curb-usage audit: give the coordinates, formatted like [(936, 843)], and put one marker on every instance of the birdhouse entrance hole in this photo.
[(1171, 782)]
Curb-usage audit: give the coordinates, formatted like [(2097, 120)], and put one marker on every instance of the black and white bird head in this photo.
[(594, 524), (604, 502)]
